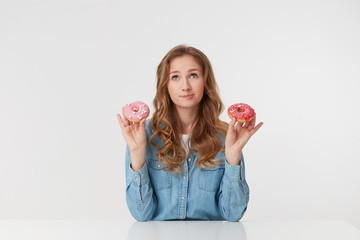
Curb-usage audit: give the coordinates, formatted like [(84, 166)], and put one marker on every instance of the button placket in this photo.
[(183, 192)]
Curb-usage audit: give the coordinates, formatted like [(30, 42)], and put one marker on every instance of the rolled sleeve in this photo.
[(139, 177), (139, 193), (233, 192), (235, 173)]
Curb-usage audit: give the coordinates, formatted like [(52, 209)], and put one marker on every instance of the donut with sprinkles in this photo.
[(136, 111), (241, 112)]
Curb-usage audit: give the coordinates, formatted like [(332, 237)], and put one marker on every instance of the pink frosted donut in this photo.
[(241, 112), (136, 111)]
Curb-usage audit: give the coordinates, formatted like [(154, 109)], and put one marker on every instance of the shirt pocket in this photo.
[(210, 178), (160, 179)]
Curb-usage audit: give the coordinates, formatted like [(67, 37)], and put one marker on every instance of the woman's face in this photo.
[(186, 83)]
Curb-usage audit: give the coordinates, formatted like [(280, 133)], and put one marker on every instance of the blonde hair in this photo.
[(205, 140)]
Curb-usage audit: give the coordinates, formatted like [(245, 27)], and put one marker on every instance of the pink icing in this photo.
[(241, 111), (136, 111)]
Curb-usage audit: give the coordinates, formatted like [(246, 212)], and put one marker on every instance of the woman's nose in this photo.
[(186, 85)]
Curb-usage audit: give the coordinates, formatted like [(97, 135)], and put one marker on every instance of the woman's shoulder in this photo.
[(221, 134), (150, 132), (148, 128)]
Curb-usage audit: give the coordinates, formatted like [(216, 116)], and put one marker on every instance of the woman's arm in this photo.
[(233, 194), (140, 197), (135, 137), (237, 136)]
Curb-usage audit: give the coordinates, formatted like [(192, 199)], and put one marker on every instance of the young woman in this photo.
[(185, 163)]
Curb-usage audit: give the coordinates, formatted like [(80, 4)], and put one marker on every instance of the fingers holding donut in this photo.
[(133, 131), (251, 123), (232, 129), (124, 124), (126, 121), (245, 117), (254, 130), (120, 120), (132, 125)]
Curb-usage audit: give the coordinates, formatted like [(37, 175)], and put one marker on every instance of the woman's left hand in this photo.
[(236, 138)]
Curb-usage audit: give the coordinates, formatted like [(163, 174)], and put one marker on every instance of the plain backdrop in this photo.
[(67, 67)]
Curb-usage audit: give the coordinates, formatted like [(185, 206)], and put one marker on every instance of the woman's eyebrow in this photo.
[(190, 70)]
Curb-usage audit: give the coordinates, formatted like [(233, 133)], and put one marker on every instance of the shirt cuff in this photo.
[(139, 177), (234, 172)]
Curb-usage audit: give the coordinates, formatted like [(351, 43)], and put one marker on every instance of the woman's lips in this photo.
[(188, 96)]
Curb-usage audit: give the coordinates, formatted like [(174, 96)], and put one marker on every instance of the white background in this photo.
[(67, 67)]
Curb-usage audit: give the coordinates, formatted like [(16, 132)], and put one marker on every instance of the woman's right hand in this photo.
[(135, 137)]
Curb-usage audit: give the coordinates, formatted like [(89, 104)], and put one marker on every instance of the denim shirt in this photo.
[(219, 193)]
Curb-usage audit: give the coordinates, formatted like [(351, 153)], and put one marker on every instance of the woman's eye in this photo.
[(193, 75), (175, 77)]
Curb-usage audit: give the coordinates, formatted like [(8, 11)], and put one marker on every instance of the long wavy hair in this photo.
[(208, 130)]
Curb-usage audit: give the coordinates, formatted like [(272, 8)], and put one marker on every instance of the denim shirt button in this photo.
[(189, 159)]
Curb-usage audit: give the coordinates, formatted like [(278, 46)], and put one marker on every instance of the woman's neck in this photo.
[(187, 119)]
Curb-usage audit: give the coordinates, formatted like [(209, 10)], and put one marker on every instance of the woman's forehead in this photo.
[(185, 62)]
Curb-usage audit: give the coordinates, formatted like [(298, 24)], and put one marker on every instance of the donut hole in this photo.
[(239, 110), (135, 109)]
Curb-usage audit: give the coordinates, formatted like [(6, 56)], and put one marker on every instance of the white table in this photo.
[(107, 230)]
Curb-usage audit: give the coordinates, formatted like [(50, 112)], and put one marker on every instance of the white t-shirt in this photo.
[(186, 142)]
